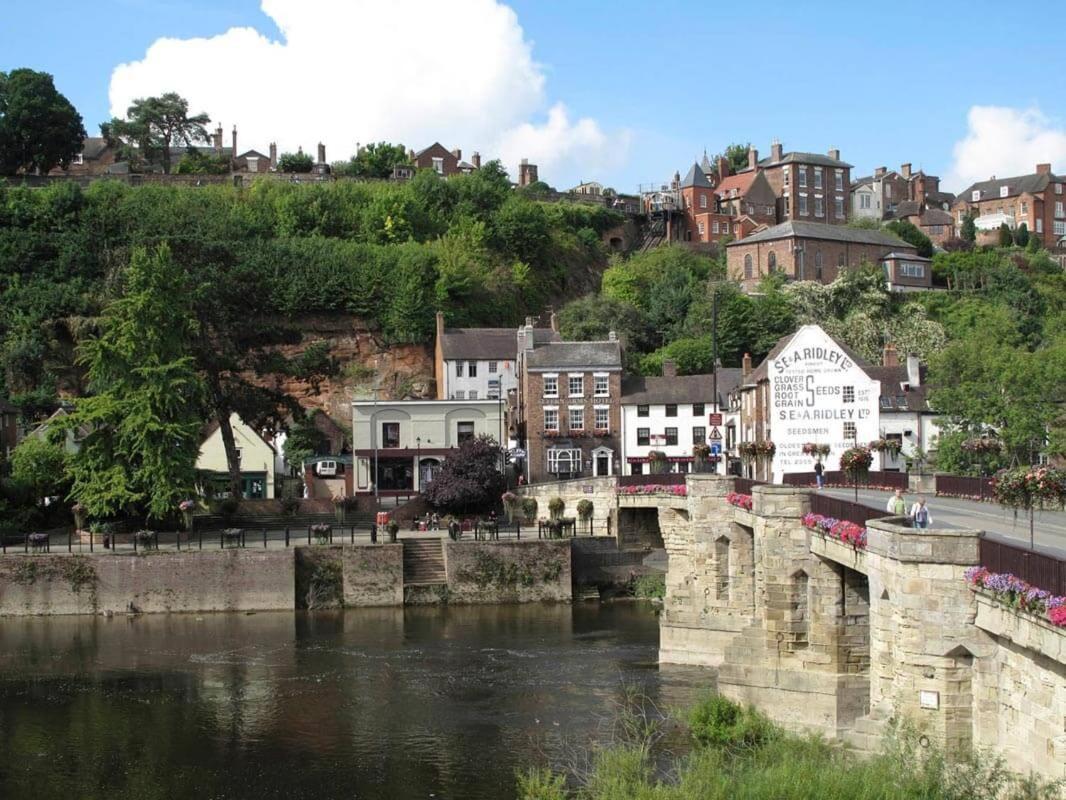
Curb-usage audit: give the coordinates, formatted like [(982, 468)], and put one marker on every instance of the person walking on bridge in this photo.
[(897, 506), (920, 515)]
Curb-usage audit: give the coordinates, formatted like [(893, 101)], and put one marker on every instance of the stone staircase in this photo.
[(423, 562), (865, 734)]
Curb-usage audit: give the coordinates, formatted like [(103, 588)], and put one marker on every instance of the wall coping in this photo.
[(1042, 636), (888, 537)]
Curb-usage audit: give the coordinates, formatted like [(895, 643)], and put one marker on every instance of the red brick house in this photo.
[(807, 186), (443, 161), (1036, 199)]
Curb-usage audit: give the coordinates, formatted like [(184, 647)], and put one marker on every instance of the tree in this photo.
[(736, 154), (304, 438), (39, 128), (1006, 237), (299, 162), (593, 317), (968, 232), (373, 161), (40, 466), (143, 417), (197, 162), (470, 478), (154, 125), (1021, 235), (911, 234)]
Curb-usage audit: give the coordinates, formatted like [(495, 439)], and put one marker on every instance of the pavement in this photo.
[(1000, 523)]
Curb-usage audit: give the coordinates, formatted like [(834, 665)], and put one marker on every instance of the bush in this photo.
[(541, 784), (650, 587), (556, 506), (584, 509), (718, 722), (529, 508)]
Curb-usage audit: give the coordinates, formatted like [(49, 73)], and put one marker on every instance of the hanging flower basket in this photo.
[(856, 460), (815, 449), (764, 448), (1030, 487), (890, 446), (701, 451), (747, 450), (982, 446)]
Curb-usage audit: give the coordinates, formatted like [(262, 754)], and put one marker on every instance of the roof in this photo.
[(487, 344), (936, 216), (93, 146), (805, 158), (908, 208), (695, 178), (908, 256), (741, 183), (640, 390), (705, 163), (1033, 183), (566, 355), (761, 372), (253, 154), (820, 230), (212, 426)]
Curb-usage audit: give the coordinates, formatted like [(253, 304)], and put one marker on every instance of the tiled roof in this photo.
[(93, 146), (640, 390), (935, 216), (819, 230), (695, 177), (805, 158), (1033, 183), (487, 344), (741, 183), (761, 372), (566, 355)]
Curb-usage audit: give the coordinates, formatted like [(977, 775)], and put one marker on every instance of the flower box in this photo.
[(679, 490), (1015, 593), (739, 500), (840, 529)]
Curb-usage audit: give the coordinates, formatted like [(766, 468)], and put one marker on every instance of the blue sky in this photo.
[(885, 83)]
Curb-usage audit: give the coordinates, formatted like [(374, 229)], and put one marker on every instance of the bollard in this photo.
[(200, 535), (309, 534), (70, 541), (353, 534), (518, 529), (134, 537), (264, 538), (286, 536), (221, 540)]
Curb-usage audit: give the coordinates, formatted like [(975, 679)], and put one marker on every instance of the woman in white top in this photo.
[(920, 515)]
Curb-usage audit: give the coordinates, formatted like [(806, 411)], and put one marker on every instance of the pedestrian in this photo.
[(897, 506), (819, 470), (920, 515), (434, 522)]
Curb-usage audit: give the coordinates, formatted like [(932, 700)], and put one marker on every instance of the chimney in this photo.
[(880, 172), (753, 157), (321, 153), (411, 154), (529, 334), (612, 336), (745, 365), (834, 153), (1043, 169), (475, 159), (440, 326), (669, 368), (776, 151), (234, 142), (890, 358), (458, 154), (914, 375), (218, 140), (932, 184), (675, 184), (905, 170), (273, 155), (553, 321), (723, 168)]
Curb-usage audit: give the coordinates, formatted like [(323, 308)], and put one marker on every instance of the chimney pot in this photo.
[(834, 153), (1042, 169), (753, 157), (745, 365), (880, 172), (669, 368), (890, 358), (776, 150)]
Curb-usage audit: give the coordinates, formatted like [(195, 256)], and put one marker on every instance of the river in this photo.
[(370, 703)]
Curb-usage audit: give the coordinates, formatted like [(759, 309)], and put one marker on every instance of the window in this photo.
[(818, 264), (79, 158), (700, 227), (564, 461), (1039, 225), (576, 386), (803, 205), (864, 201), (1059, 227), (838, 208), (838, 179), (643, 437), (551, 385), (802, 173), (849, 394), (576, 420), (911, 270), (703, 201), (699, 435), (602, 418), (473, 394), (888, 191), (1058, 209), (458, 369), (747, 266), (771, 261), (787, 173), (849, 432), (817, 177), (975, 195), (492, 368), (671, 436), (551, 419), (636, 469), (464, 432), (1004, 191), (1058, 188), (438, 166), (714, 226), (601, 385), (642, 411), (460, 395), (697, 409), (819, 207), (840, 261), (1025, 208), (390, 434), (671, 409)]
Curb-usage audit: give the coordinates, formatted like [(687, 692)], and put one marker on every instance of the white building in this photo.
[(257, 457), (479, 363), (404, 442), (673, 414), (905, 415)]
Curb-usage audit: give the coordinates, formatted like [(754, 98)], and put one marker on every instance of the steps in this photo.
[(866, 734), (423, 562)]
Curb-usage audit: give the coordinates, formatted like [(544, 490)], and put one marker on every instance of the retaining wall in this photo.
[(508, 572)]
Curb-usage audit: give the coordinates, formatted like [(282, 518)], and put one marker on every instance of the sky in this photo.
[(623, 92)]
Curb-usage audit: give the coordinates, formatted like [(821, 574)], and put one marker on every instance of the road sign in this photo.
[(714, 419), (715, 434), (716, 448)]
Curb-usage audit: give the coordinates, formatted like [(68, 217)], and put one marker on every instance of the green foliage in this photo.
[(556, 506), (153, 125), (650, 587), (304, 439), (39, 128), (374, 161), (716, 721), (540, 784), (911, 234), (1006, 238), (199, 162), (298, 162), (1021, 235), (968, 232), (40, 466)]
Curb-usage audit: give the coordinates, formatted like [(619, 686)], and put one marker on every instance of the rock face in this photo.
[(366, 366)]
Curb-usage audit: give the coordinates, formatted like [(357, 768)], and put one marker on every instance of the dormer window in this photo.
[(1003, 191), (975, 195)]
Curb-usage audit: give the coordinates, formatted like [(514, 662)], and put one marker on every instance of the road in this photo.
[(949, 512)]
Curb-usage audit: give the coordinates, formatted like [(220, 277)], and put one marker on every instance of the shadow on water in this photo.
[(371, 703)]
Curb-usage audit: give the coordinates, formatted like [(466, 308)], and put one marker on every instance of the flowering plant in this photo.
[(701, 450), (982, 446), (653, 488), (815, 449), (739, 500), (765, 448), (856, 460), (747, 450), (841, 529), (186, 505), (1030, 487), (1016, 593), (890, 446)]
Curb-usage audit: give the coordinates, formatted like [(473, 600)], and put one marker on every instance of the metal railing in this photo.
[(845, 509), (893, 480), (1039, 569), (745, 485), (662, 479), (964, 486)]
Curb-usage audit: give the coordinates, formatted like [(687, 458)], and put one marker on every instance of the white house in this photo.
[(256, 455), (673, 414), (905, 414)]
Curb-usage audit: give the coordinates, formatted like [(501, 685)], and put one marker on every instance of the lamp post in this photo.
[(418, 464)]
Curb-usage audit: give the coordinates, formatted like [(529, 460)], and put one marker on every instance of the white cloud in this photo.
[(348, 71), (1004, 142)]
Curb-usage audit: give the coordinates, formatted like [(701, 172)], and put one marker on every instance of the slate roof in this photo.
[(1033, 183), (695, 177), (805, 158), (640, 390), (820, 230), (908, 208), (940, 197), (93, 146), (487, 344), (568, 355), (935, 216), (705, 163)]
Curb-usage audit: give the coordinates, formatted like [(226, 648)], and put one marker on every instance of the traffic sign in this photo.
[(716, 448), (715, 434), (714, 419)]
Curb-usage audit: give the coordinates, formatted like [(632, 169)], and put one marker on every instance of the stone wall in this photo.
[(224, 580), (508, 572), (601, 491), (351, 575)]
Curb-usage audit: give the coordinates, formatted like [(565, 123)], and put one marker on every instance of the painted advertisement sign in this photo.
[(818, 394)]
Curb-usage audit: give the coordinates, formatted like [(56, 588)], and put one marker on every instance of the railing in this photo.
[(845, 509), (1043, 571), (664, 479), (892, 480), (963, 486), (745, 485)]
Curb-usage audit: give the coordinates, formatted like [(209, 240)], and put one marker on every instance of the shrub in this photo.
[(290, 505), (541, 784), (584, 509), (650, 587), (718, 722), (556, 506), (529, 508)]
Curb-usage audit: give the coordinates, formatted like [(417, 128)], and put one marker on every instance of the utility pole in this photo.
[(714, 360)]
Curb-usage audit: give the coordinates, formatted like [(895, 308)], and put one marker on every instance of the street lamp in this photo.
[(418, 463)]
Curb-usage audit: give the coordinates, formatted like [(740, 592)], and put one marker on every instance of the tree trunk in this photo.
[(222, 414)]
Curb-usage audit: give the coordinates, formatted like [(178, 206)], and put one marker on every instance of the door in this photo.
[(603, 464)]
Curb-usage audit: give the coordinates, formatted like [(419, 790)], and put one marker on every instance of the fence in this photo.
[(745, 485), (876, 479), (963, 486), (663, 479), (1043, 571), (844, 509)]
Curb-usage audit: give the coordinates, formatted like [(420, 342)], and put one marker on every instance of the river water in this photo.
[(384, 703)]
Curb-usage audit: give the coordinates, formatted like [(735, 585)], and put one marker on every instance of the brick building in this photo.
[(1036, 199), (935, 223), (566, 412), (807, 186), (445, 162), (97, 157), (809, 251)]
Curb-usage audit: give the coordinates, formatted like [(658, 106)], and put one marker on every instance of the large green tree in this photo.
[(143, 415), (40, 466), (373, 161), (153, 125), (39, 128), (910, 233)]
